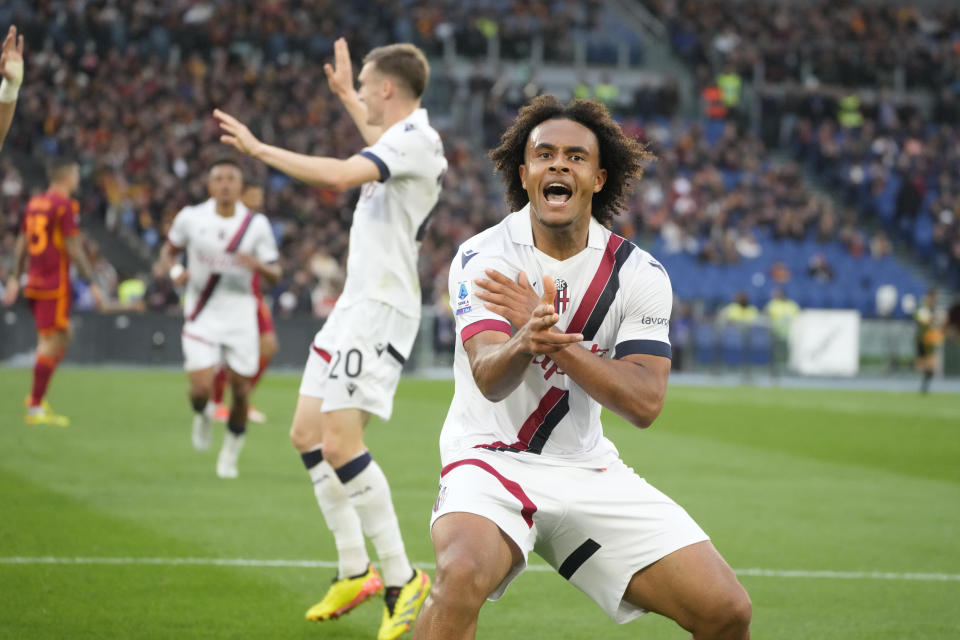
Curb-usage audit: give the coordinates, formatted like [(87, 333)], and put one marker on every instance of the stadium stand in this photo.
[(789, 197), (841, 42)]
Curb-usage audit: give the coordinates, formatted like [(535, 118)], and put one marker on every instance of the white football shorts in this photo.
[(238, 348), (596, 527), (357, 356)]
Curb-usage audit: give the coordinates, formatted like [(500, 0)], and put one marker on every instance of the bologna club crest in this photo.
[(563, 299)]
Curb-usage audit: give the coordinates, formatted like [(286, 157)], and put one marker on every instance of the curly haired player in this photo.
[(525, 461)]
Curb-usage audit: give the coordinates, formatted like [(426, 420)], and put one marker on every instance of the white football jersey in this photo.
[(391, 216), (612, 292), (219, 294)]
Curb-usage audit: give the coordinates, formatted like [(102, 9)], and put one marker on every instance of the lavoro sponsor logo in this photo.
[(655, 321)]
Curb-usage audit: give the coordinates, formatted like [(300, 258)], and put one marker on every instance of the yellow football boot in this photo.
[(398, 615), (345, 594), (44, 415)]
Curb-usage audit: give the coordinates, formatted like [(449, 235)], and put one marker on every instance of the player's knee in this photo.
[(303, 438), (728, 616), (740, 611), (198, 400), (461, 580), (337, 452)]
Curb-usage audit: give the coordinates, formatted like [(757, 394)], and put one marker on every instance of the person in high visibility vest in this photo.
[(730, 85), (782, 311), (740, 311), (849, 115)]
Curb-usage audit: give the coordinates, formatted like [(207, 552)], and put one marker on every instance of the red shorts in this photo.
[(51, 315), (264, 319)]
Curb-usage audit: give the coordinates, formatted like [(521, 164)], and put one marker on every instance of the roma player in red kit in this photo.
[(49, 240)]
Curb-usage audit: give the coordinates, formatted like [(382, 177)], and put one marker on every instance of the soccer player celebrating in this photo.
[(252, 199), (525, 462), (226, 244), (356, 359), (11, 69), (50, 240)]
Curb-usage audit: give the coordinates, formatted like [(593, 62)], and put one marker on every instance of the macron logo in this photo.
[(657, 265), (466, 257)]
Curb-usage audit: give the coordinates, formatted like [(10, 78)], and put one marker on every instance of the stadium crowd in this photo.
[(159, 71), (834, 42), (901, 171)]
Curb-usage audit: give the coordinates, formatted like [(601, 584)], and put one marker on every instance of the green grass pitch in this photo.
[(846, 483)]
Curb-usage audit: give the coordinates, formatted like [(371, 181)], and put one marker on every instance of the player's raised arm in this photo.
[(340, 79), (331, 173), (11, 68), (499, 363)]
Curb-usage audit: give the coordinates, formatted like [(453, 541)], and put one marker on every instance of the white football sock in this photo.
[(342, 520), (370, 495)]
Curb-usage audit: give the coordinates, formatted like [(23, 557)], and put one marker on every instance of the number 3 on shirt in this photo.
[(37, 235)]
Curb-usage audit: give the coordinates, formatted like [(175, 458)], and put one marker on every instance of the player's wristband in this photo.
[(10, 88)]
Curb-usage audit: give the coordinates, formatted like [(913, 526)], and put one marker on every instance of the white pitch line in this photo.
[(326, 564)]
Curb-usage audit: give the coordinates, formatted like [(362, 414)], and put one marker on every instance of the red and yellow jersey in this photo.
[(49, 219)]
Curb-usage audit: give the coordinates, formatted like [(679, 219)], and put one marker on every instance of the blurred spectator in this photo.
[(880, 245), (779, 272), (740, 311), (821, 41), (819, 268), (782, 311)]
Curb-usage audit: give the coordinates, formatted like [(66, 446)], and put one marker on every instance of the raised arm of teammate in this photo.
[(11, 68), (74, 246), (634, 387), (19, 260), (331, 173), (499, 363), (340, 79)]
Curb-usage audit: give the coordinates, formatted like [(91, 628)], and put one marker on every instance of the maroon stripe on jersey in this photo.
[(553, 406), (214, 278), (484, 325), (602, 290), (208, 288), (322, 353), (597, 285), (549, 423), (242, 231), (528, 508)]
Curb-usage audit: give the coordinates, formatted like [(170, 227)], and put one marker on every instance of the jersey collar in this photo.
[(418, 118), (521, 230)]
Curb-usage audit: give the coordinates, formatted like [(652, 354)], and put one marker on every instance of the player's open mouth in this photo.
[(557, 193)]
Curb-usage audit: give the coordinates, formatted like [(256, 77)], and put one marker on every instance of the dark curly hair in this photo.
[(622, 156)]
